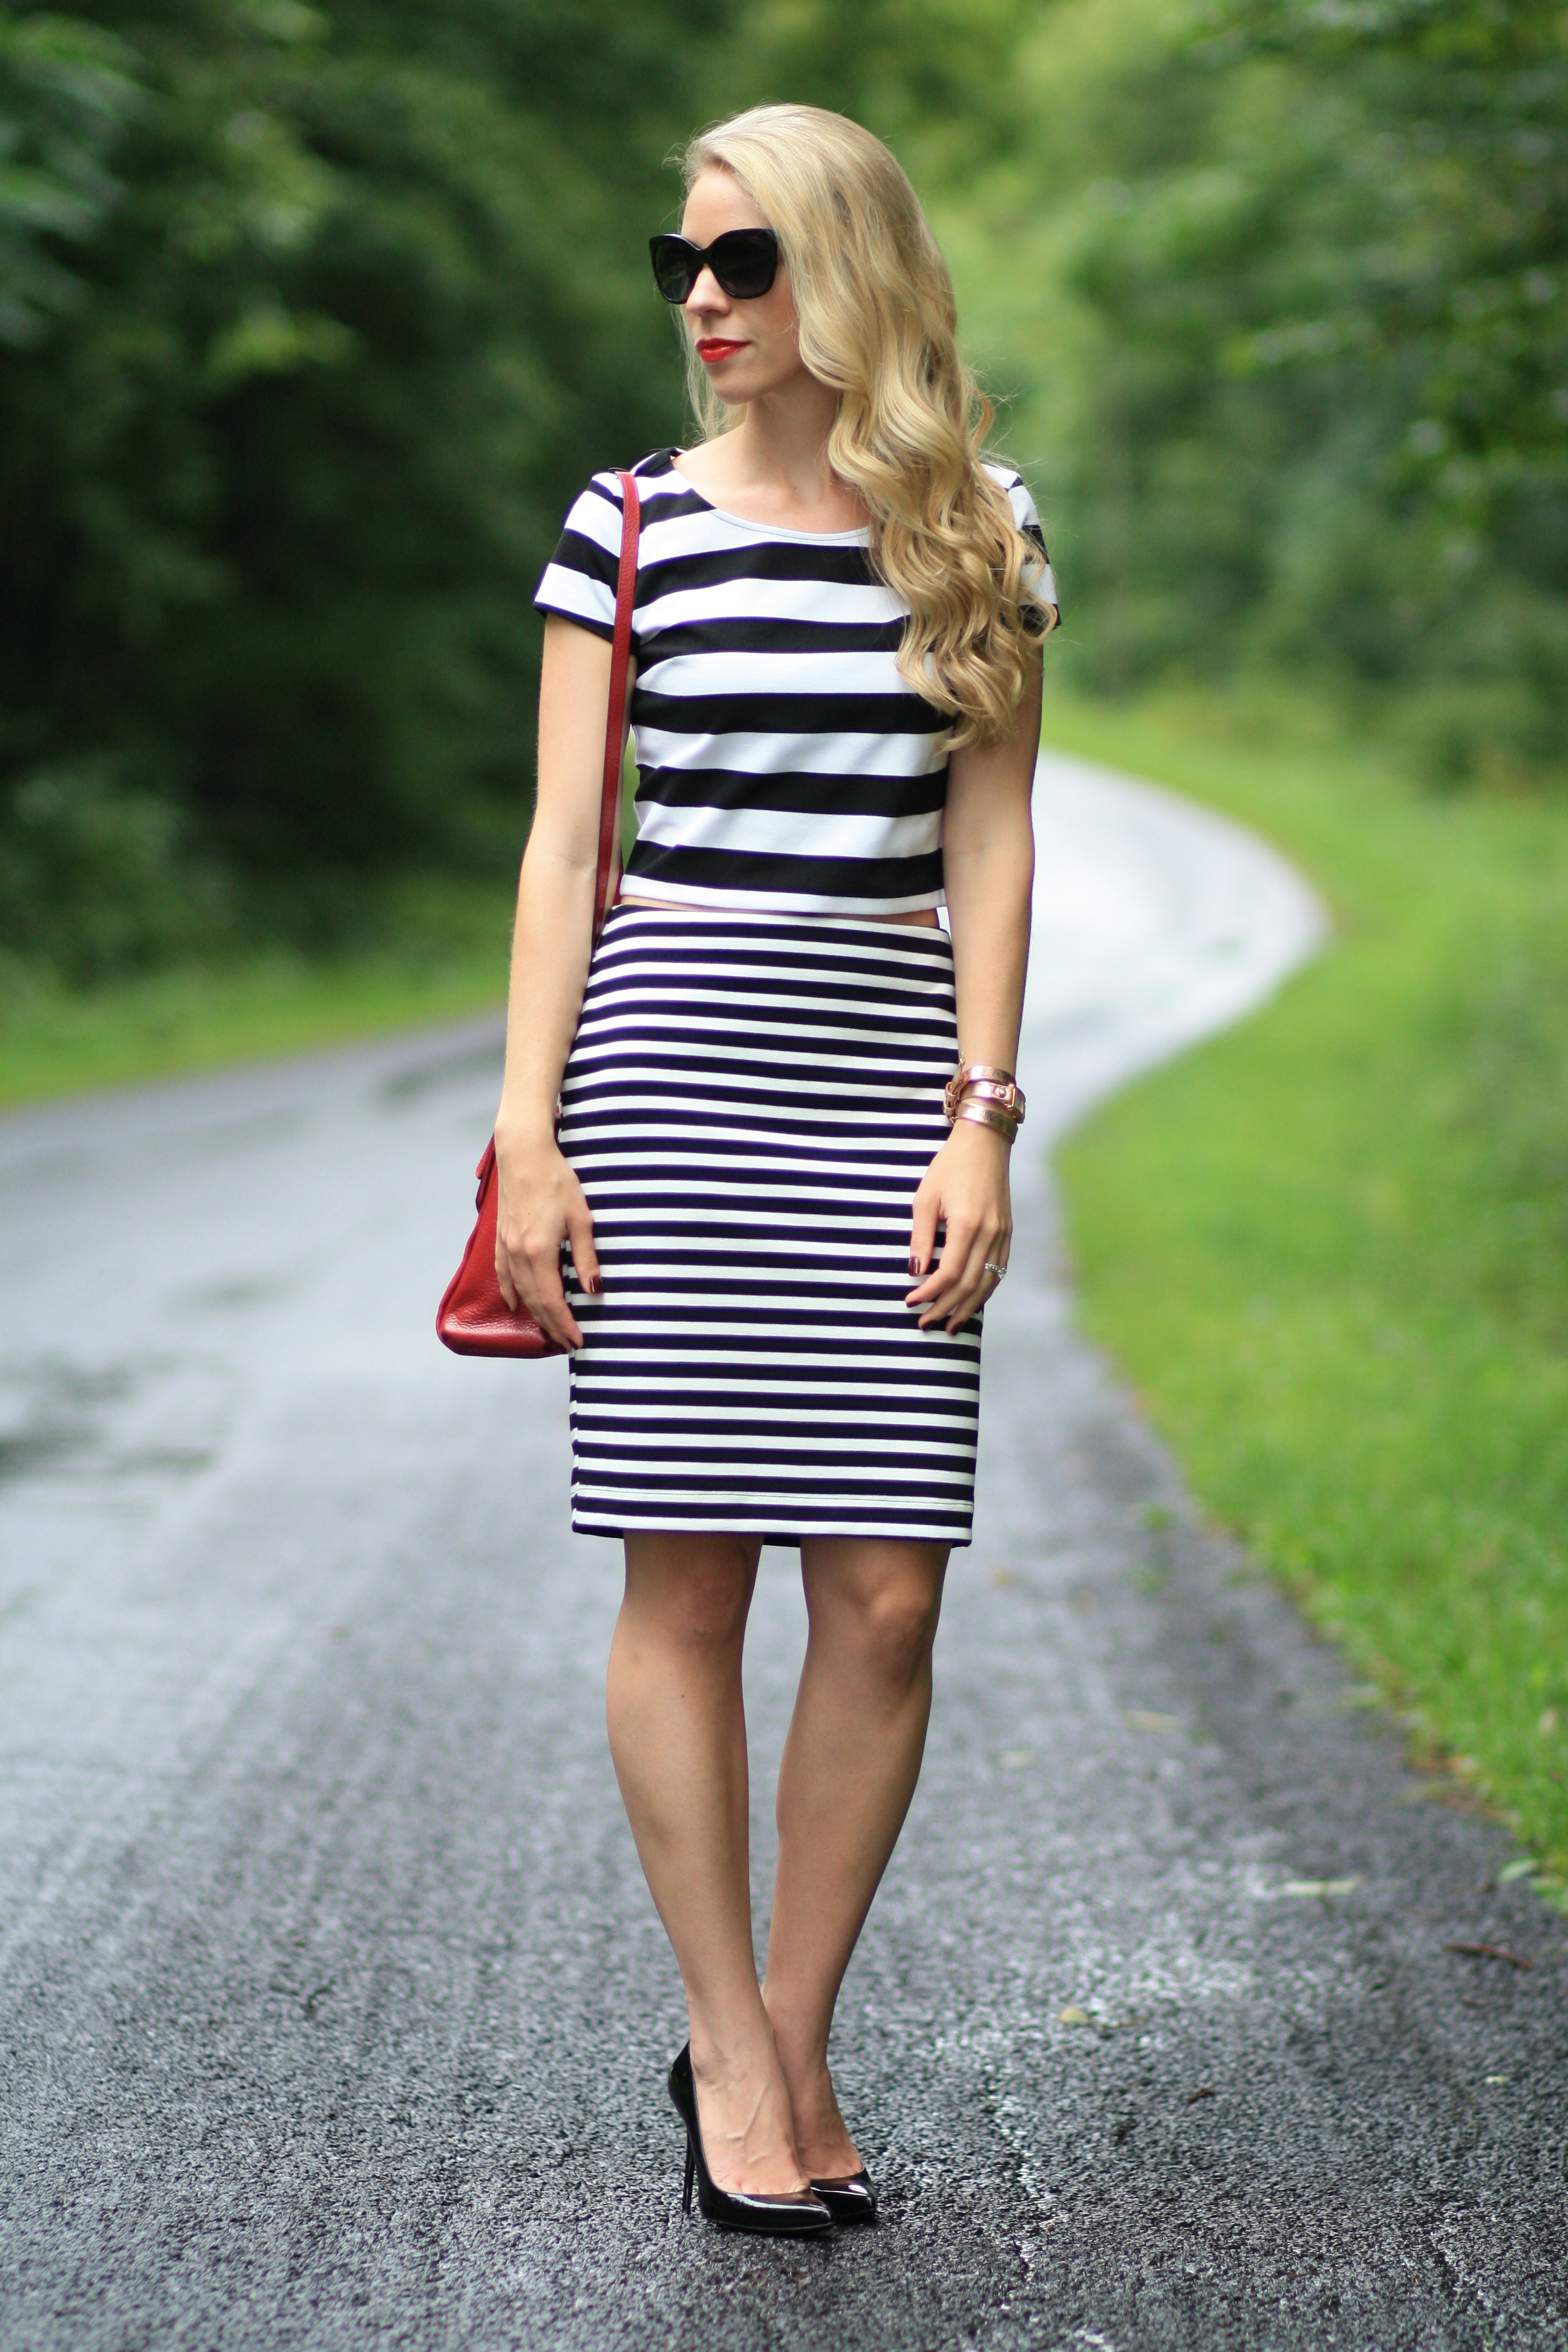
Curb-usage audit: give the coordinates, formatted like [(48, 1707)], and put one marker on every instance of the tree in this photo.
[(1313, 259)]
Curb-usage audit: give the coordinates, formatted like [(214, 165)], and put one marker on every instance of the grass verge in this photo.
[(1330, 1249), (444, 954)]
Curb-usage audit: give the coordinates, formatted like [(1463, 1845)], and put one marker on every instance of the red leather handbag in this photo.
[(473, 1319)]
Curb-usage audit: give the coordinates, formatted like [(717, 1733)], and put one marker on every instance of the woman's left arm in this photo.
[(988, 857)]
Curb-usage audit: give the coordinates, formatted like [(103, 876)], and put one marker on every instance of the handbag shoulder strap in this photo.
[(616, 724)]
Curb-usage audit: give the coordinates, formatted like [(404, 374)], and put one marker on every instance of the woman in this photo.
[(779, 1239)]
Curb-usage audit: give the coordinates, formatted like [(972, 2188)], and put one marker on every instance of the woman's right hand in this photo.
[(538, 1203)]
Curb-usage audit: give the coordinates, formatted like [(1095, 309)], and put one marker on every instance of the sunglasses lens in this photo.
[(745, 262), (675, 269)]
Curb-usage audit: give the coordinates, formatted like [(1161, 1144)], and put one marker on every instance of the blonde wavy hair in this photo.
[(877, 322)]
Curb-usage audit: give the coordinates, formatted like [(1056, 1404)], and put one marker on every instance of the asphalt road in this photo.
[(333, 2012)]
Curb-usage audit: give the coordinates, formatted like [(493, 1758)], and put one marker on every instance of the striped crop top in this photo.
[(783, 763)]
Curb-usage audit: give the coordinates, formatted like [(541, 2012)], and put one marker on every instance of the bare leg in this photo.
[(850, 1764), (678, 1734)]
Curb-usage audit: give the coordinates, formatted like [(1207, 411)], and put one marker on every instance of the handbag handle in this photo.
[(616, 724)]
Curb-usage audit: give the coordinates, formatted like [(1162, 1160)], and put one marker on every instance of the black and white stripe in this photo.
[(782, 761), (749, 1104)]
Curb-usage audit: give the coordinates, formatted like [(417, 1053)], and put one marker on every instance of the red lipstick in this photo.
[(710, 349)]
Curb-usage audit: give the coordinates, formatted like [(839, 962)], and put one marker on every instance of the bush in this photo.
[(95, 881)]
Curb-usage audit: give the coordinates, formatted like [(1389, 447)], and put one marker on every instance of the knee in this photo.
[(692, 1599), (895, 1618), (708, 1609)]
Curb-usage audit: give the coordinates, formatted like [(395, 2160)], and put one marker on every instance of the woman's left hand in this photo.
[(965, 1190)]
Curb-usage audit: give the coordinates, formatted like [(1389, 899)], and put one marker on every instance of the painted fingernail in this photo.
[(914, 1262), (595, 1284)]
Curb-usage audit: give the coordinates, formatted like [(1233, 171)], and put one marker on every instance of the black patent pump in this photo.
[(849, 2199), (800, 2215)]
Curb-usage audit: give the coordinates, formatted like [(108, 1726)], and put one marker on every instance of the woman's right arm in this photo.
[(540, 1198)]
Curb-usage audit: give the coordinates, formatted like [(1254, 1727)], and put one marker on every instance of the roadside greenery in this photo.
[(1330, 1249), (1281, 292), (426, 951)]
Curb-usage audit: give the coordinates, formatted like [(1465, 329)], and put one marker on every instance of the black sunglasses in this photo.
[(745, 261)]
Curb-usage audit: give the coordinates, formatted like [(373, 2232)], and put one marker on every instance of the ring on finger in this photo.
[(992, 1267)]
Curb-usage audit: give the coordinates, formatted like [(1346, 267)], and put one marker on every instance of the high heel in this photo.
[(849, 2199), (799, 2215)]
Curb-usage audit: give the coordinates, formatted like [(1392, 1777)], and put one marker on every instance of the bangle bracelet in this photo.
[(979, 1083), (1008, 1099), (982, 1114), (973, 1073)]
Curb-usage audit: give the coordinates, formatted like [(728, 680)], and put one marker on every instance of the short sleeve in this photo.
[(579, 581), (1026, 515)]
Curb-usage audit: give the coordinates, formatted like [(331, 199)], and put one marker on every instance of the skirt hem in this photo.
[(770, 1534)]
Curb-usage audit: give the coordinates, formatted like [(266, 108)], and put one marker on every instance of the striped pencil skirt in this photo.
[(750, 1104)]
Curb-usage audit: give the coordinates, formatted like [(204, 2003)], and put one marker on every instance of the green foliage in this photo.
[(65, 98), (93, 882), (443, 954), (1297, 373), (281, 480), (934, 77), (1330, 1248)]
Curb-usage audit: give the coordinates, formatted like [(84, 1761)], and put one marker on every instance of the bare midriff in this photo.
[(923, 915)]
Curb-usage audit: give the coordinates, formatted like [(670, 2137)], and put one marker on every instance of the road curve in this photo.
[(333, 2012)]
